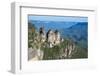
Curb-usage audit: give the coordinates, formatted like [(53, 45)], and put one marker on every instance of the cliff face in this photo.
[(48, 45)]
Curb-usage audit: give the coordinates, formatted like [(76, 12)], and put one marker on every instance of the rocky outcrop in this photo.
[(42, 43), (52, 37), (36, 54), (68, 51)]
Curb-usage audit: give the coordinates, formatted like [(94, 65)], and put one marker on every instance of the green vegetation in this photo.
[(80, 52), (57, 51)]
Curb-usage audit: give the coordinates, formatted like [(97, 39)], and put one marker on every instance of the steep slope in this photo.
[(78, 33)]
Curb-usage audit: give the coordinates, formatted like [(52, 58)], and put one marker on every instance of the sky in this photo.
[(58, 18)]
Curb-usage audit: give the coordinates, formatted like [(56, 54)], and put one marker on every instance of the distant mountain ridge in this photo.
[(78, 32), (53, 25)]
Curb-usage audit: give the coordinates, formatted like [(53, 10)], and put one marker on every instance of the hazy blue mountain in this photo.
[(78, 33), (52, 24)]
